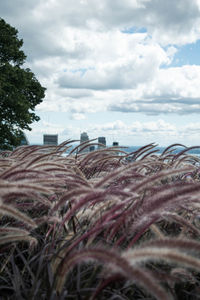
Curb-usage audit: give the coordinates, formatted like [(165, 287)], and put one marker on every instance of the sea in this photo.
[(194, 150)]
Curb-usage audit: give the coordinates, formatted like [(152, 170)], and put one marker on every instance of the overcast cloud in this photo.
[(104, 57)]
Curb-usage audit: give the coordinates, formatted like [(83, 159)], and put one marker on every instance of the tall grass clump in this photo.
[(101, 225)]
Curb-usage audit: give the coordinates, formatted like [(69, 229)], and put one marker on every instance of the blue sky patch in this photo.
[(134, 29), (187, 55)]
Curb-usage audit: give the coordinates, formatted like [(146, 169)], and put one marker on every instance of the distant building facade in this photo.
[(101, 140), (50, 139), (84, 138), (92, 148), (115, 144)]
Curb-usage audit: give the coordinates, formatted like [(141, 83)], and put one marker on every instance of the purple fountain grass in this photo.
[(111, 214), (154, 207), (121, 190), (96, 196), (144, 221), (191, 160), (152, 166), (145, 224), (114, 174), (15, 213), (104, 283), (66, 145), (39, 158), (181, 244), (184, 151), (24, 151), (104, 164), (143, 150), (66, 249), (10, 169), (23, 186), (20, 151), (125, 218), (167, 159), (182, 221), (27, 153), (78, 177), (171, 195), (47, 164), (79, 205), (12, 234), (106, 212), (5, 162), (170, 148), (150, 180), (99, 213), (84, 146), (96, 156), (149, 154), (48, 220), (13, 230), (68, 197), (76, 149), (19, 196), (17, 238), (73, 203), (52, 182), (56, 169), (104, 159), (5, 153), (162, 193), (91, 157), (141, 255), (21, 174), (117, 263)]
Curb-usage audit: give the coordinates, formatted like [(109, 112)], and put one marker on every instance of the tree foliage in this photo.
[(20, 91)]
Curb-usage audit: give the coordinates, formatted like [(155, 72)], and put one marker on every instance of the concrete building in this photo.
[(101, 140), (50, 139)]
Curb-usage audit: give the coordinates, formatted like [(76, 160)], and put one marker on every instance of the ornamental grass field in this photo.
[(99, 225)]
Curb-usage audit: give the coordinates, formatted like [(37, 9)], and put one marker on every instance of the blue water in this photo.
[(176, 149), (195, 151)]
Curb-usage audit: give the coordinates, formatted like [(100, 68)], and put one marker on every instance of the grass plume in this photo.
[(103, 224)]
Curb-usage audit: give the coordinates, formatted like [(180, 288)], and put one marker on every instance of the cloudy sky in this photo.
[(127, 70)]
